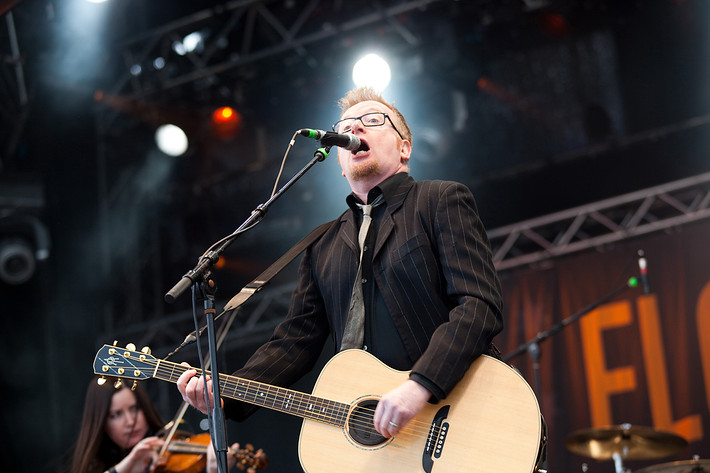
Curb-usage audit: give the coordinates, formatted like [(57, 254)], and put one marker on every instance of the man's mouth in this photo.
[(363, 148)]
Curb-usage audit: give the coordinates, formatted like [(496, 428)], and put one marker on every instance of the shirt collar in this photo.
[(387, 188)]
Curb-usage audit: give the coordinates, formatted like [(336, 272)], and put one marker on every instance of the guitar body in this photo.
[(492, 424)]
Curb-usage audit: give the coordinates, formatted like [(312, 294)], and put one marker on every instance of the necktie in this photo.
[(354, 327)]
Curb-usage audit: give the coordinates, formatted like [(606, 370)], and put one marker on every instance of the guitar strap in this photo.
[(255, 286)]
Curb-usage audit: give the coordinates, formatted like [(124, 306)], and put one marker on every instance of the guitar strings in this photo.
[(363, 421), (359, 417)]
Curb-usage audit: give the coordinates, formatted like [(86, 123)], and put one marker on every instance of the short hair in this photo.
[(364, 94)]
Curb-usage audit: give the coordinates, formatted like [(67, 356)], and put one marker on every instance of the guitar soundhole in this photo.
[(361, 426)]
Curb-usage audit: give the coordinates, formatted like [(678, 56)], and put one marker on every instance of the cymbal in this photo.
[(629, 442), (688, 466)]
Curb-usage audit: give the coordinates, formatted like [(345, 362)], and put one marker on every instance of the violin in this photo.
[(189, 455)]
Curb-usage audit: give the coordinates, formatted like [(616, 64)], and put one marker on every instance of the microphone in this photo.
[(643, 272), (330, 138)]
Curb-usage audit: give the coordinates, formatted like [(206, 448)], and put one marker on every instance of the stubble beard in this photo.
[(362, 171)]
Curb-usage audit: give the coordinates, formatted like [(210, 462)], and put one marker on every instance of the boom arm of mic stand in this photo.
[(541, 336), (532, 347), (210, 258)]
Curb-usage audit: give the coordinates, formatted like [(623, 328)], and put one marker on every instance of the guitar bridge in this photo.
[(436, 439)]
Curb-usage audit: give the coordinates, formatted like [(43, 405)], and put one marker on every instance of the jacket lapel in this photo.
[(347, 231), (384, 232)]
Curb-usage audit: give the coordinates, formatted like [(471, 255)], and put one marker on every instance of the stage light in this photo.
[(17, 261), (554, 24), (179, 48), (223, 114), (226, 122), (171, 140), (24, 240), (373, 71), (193, 42)]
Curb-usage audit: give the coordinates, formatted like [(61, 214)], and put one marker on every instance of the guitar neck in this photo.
[(265, 395)]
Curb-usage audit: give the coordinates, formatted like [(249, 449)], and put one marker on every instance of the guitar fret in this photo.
[(286, 404), (300, 405), (251, 393), (276, 396), (273, 397)]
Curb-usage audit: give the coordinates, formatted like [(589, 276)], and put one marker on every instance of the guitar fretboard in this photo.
[(265, 395)]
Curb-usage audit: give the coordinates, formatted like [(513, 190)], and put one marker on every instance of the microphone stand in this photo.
[(210, 258), (532, 347), (218, 428), (200, 275)]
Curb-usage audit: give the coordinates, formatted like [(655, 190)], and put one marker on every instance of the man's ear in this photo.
[(405, 150)]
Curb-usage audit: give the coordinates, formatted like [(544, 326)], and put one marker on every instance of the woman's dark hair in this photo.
[(95, 451)]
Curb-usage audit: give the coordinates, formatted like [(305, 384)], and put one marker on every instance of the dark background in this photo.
[(538, 106)]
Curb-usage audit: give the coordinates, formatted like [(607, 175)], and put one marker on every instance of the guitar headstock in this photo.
[(251, 460), (123, 363)]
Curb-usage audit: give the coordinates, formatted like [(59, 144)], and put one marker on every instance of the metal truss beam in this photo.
[(253, 29), (600, 223), (253, 324)]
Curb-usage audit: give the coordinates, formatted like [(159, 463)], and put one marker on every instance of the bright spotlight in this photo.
[(193, 42), (179, 48), (171, 140), (372, 71)]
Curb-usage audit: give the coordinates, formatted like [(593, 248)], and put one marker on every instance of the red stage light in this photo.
[(226, 122), (223, 114), (554, 24)]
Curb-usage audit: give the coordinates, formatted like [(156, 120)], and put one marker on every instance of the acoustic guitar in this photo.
[(489, 423)]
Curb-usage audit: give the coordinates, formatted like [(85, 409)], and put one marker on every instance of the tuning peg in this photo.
[(115, 343), (131, 347), (135, 383), (101, 381), (118, 383), (146, 350)]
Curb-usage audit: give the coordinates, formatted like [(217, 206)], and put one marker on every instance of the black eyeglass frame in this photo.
[(365, 124)]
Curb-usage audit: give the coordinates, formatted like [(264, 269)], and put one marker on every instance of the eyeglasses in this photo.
[(369, 119)]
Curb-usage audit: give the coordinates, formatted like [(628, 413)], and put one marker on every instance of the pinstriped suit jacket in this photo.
[(433, 265)]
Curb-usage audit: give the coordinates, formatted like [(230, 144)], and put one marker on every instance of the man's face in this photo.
[(386, 153)]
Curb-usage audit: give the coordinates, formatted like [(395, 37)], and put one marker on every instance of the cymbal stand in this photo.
[(619, 462)]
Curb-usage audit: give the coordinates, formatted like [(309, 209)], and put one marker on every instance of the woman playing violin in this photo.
[(117, 433)]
